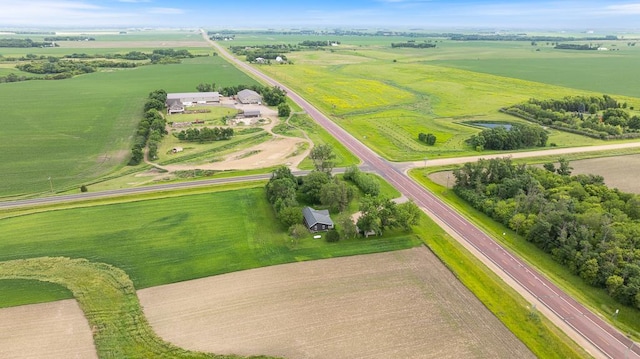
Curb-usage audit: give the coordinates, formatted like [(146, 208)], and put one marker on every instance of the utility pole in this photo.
[(50, 184)]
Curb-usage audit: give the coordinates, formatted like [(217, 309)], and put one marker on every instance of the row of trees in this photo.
[(598, 117), (318, 43), (151, 128), (591, 229), (428, 138), (516, 137), (205, 134), (365, 182), (574, 47), (413, 44), (58, 68), (22, 43)]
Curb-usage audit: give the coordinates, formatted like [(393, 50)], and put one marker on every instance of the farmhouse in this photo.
[(247, 96), (317, 220), (174, 106)]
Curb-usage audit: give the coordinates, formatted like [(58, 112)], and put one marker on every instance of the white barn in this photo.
[(191, 98)]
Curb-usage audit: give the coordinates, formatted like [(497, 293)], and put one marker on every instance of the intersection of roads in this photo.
[(599, 338)]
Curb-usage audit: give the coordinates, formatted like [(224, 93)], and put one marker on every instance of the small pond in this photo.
[(492, 125)]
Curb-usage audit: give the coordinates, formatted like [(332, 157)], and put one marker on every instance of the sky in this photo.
[(349, 14)]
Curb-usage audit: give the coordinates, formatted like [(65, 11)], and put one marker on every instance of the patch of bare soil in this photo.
[(402, 304), (49, 330)]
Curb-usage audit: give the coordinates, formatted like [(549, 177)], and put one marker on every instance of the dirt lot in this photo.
[(50, 330), (402, 304)]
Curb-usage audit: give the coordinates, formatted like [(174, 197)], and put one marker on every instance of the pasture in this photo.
[(80, 129)]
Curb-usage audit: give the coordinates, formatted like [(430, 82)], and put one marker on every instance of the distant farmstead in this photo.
[(176, 102), (247, 96), (317, 220)]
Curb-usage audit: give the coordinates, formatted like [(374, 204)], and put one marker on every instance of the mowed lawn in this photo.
[(168, 240), (79, 129)]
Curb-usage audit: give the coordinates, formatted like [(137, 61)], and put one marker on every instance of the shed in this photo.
[(189, 98), (317, 220), (249, 114), (247, 96)]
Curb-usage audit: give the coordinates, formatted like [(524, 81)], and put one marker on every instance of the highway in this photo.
[(587, 328), (608, 341)]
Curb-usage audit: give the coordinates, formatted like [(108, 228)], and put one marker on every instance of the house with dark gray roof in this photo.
[(317, 220), (247, 96), (174, 106)]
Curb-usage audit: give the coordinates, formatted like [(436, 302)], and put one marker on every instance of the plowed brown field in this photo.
[(402, 304)]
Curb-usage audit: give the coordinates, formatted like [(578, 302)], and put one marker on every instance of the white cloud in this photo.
[(166, 11), (134, 1), (624, 9), (59, 13)]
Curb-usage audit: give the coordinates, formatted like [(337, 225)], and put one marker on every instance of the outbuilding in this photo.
[(247, 96), (192, 98), (317, 220)]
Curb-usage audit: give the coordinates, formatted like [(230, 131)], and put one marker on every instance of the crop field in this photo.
[(167, 240), (83, 126), (386, 104), (620, 172), (402, 304)]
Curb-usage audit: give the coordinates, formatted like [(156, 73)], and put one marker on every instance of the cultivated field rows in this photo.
[(402, 304)]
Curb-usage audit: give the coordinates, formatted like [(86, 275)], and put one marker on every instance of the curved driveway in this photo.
[(610, 343)]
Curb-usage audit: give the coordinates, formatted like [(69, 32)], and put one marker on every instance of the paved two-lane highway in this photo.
[(608, 341)]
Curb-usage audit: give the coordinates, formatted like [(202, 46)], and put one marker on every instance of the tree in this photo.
[(153, 104), (564, 169), (312, 185), (549, 166), (84, 188), (407, 215), (290, 216), (284, 110), (297, 232), (336, 195), (203, 87), (332, 236), (322, 157), (347, 227)]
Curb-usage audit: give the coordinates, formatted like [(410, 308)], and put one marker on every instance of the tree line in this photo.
[(591, 229), (205, 134), (516, 137), (56, 68), (151, 128), (599, 117), (22, 43), (575, 47), (413, 44)]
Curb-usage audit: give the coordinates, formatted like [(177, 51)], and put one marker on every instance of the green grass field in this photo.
[(165, 240), (80, 129), (386, 104)]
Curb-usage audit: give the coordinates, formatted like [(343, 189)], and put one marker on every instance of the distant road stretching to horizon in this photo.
[(607, 340)]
